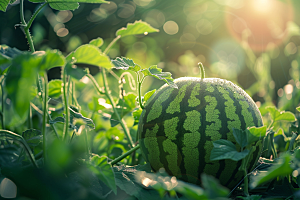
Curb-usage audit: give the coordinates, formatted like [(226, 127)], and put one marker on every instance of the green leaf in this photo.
[(57, 120), (89, 54), (281, 168), (124, 106), (276, 115), (50, 59), (255, 133), (157, 73), (136, 115), (54, 88), (34, 139), (298, 108), (4, 64), (87, 121), (224, 149), (115, 133), (125, 64), (212, 187), (138, 27), (20, 78), (9, 52), (64, 6), (3, 5), (104, 171), (98, 42), (148, 95), (240, 137), (75, 72)]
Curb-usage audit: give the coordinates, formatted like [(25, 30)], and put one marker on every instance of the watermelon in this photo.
[(178, 126)]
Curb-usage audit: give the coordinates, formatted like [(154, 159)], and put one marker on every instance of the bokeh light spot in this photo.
[(62, 32), (171, 27), (64, 16), (204, 27)]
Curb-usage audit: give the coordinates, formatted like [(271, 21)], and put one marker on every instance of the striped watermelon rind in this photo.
[(178, 126)]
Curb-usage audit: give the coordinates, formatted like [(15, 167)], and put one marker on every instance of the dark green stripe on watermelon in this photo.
[(177, 128)]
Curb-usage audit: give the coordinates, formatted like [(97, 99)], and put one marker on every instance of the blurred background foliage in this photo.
[(253, 43)]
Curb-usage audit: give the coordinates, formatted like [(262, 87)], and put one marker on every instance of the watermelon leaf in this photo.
[(212, 187), (138, 27), (54, 90), (255, 133), (224, 149), (98, 42), (148, 95), (276, 115), (281, 168), (240, 137), (126, 64), (157, 73), (104, 171), (136, 115)]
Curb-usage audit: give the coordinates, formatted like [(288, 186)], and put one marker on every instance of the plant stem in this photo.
[(2, 105), (95, 84), (111, 44), (202, 71), (30, 117), (26, 29), (35, 14), (246, 183), (122, 121), (118, 159), (66, 103), (139, 91), (45, 111)]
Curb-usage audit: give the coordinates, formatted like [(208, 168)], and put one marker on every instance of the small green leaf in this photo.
[(276, 115), (148, 95), (3, 5), (64, 6), (224, 149), (9, 52), (5, 62), (138, 27), (21, 76), (87, 121), (126, 64), (98, 42), (54, 90), (240, 137), (212, 187), (50, 59), (89, 54), (104, 171), (281, 168), (57, 120), (75, 72), (157, 73), (298, 108), (136, 114), (255, 133)]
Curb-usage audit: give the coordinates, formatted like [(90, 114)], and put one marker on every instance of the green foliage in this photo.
[(58, 138)]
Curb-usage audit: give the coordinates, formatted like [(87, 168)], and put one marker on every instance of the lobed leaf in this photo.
[(138, 27), (276, 115), (240, 137), (255, 133), (125, 64), (282, 168), (90, 54), (157, 73), (98, 42), (104, 171)]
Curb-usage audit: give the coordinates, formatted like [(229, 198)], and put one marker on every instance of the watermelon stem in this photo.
[(121, 157), (202, 71)]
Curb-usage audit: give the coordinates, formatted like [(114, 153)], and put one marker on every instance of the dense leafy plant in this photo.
[(57, 145)]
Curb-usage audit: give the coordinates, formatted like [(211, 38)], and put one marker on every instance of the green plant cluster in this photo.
[(74, 138)]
